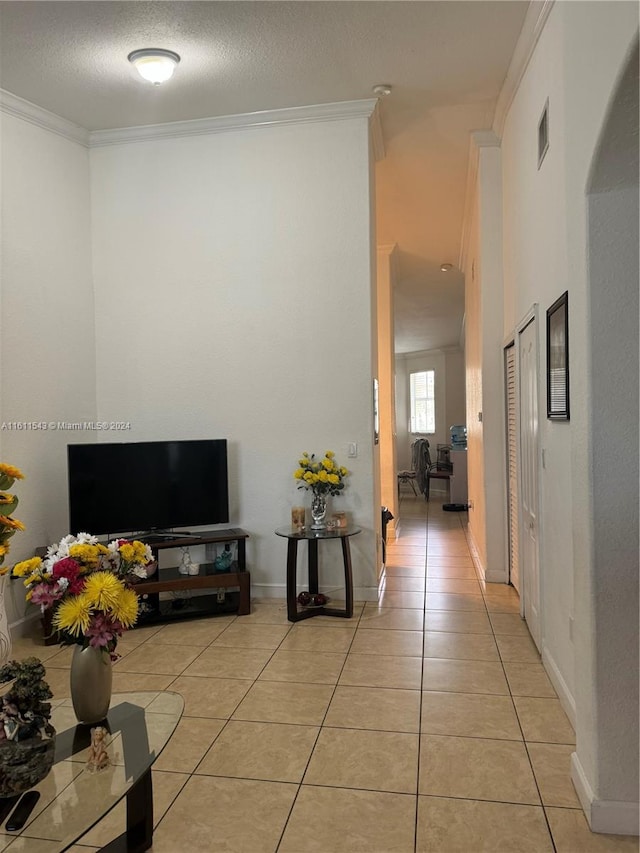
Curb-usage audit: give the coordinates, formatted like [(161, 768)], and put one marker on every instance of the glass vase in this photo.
[(318, 511)]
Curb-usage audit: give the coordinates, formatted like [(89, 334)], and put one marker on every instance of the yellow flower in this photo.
[(11, 471), (84, 553), (13, 523), (127, 552), (4, 571), (299, 474), (27, 567), (329, 454), (333, 478), (323, 476), (125, 609), (327, 463), (343, 472), (73, 615), (102, 590), (4, 549)]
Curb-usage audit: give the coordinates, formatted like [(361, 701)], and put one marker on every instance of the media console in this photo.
[(170, 580)]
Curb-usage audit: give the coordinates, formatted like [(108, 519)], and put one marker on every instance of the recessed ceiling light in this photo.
[(446, 267), (154, 64), (382, 89)]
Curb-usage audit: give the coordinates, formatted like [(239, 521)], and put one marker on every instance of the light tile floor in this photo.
[(425, 724)]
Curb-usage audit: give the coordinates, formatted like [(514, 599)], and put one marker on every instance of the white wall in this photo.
[(233, 279), (575, 65), (48, 363)]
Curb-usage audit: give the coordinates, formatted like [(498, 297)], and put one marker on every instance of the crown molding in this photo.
[(479, 139), (339, 111), (534, 23), (13, 105)]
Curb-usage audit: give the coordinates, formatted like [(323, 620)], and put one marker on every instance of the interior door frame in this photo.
[(532, 315), (509, 341)]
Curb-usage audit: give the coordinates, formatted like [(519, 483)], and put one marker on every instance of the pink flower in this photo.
[(45, 595), (102, 630)]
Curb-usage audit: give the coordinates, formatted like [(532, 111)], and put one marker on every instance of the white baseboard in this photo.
[(475, 555), (560, 685), (493, 576), (279, 590), (606, 816)]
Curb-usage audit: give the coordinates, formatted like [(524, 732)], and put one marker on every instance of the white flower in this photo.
[(63, 583), (139, 571)]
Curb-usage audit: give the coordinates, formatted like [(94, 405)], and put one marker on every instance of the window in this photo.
[(423, 402)]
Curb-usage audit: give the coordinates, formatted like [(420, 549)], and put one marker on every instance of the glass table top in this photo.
[(325, 533), (73, 799)]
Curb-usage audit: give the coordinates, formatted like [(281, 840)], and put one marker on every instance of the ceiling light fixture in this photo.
[(446, 267), (154, 64), (382, 89)]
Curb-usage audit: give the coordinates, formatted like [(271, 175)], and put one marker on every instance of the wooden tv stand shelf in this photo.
[(171, 580)]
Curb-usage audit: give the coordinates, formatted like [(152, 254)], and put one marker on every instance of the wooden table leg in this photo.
[(313, 566), (348, 577), (139, 834), (292, 562), (244, 604)]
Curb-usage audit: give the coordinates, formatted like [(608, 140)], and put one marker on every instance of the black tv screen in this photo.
[(147, 485)]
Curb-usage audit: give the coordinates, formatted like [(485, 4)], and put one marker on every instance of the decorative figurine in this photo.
[(98, 755), (223, 562)]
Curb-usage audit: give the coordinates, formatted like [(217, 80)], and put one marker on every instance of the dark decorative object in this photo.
[(27, 738), (558, 359)]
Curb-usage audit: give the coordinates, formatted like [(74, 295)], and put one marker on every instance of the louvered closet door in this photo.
[(512, 468)]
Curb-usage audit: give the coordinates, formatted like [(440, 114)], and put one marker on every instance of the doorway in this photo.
[(528, 440)]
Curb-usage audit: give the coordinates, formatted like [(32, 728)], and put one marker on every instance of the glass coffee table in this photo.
[(72, 799)]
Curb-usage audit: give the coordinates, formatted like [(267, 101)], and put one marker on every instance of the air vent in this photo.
[(543, 134)]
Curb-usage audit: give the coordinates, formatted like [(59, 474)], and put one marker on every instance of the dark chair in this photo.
[(407, 477), (433, 472)]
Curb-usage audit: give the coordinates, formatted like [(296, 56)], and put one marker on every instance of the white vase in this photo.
[(5, 634)]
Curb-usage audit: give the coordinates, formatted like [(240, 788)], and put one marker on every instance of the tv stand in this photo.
[(170, 580)]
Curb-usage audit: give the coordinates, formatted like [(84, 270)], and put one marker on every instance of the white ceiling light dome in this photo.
[(154, 63)]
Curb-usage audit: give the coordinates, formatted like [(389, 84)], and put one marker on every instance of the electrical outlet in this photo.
[(220, 595), (352, 450)]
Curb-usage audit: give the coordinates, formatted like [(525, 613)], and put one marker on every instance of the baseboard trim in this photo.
[(606, 816), (279, 590), (564, 694), (475, 555)]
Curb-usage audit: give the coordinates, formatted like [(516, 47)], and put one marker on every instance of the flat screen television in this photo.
[(147, 485)]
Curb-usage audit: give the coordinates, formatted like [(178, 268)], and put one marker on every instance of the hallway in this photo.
[(425, 724)]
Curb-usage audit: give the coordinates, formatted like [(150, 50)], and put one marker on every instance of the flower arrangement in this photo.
[(8, 526), (87, 585), (323, 476)]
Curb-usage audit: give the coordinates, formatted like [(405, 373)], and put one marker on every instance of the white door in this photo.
[(512, 463), (529, 515)]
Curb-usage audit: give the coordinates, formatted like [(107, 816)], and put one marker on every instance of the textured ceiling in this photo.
[(446, 62)]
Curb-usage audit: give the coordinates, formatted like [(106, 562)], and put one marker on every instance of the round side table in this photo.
[(313, 537)]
